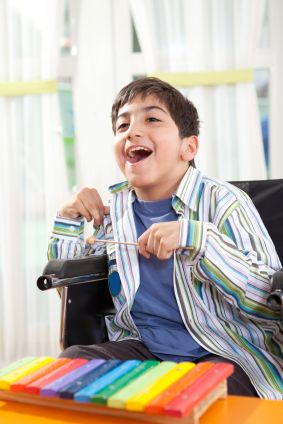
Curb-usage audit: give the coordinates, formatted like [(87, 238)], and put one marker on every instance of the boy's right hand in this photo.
[(85, 203)]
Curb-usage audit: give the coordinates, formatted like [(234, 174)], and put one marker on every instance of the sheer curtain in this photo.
[(32, 177), (210, 35), (95, 85)]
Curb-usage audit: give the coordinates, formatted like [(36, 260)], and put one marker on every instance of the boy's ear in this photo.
[(189, 148)]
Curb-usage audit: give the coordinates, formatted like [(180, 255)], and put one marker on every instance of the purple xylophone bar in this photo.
[(54, 388)]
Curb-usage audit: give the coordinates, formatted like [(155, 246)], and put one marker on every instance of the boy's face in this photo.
[(149, 150)]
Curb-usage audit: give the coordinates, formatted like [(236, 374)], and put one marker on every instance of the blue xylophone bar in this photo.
[(69, 391), (86, 393)]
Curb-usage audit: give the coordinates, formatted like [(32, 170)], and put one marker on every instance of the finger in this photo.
[(163, 253), (156, 244), (144, 252), (142, 244), (68, 212), (150, 244), (153, 240), (81, 209), (93, 203), (97, 215)]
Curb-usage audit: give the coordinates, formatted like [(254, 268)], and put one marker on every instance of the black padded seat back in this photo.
[(267, 196)]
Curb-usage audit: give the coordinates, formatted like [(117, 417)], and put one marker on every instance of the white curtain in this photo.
[(32, 177), (210, 35), (95, 85)]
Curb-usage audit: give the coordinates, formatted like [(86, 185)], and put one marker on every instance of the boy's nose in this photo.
[(134, 130)]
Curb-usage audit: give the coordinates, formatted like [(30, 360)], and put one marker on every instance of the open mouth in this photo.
[(137, 153)]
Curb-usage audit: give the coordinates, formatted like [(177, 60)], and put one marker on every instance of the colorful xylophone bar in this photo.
[(143, 388)]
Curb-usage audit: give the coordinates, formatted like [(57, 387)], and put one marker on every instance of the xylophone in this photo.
[(146, 390)]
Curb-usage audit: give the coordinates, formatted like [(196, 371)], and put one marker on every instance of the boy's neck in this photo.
[(156, 193)]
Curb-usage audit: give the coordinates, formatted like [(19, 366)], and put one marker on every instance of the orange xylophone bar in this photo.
[(147, 387)]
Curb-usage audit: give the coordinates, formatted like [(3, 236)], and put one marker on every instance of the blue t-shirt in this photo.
[(155, 310)]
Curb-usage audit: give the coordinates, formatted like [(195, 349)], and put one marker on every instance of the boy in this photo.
[(196, 287)]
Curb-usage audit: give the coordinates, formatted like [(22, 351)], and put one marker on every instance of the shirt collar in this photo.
[(115, 188), (188, 188), (187, 191)]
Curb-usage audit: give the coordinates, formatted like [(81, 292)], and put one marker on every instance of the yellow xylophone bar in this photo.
[(159, 389), (142, 398), (7, 379)]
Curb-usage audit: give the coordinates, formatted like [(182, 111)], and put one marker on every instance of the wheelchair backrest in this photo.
[(267, 196)]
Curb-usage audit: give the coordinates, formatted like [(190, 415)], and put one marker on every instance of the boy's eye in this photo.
[(153, 119), (122, 126)]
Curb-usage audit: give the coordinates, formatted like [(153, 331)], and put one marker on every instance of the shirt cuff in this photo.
[(193, 236), (68, 227)]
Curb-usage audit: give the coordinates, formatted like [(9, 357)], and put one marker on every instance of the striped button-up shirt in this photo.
[(221, 283)]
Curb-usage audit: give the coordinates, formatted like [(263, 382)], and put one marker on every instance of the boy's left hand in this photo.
[(160, 240)]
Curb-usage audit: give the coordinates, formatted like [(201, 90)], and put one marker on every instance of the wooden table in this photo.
[(232, 410)]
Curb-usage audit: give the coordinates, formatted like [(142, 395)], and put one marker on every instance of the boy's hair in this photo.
[(182, 111)]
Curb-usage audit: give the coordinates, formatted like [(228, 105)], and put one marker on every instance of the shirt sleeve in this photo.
[(237, 256), (67, 239)]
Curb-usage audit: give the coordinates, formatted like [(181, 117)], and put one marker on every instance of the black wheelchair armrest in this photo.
[(275, 299), (85, 297), (65, 272)]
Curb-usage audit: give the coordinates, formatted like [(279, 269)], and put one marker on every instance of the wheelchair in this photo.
[(83, 282)]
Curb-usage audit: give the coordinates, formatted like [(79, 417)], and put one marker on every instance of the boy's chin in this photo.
[(138, 182), (137, 179)]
